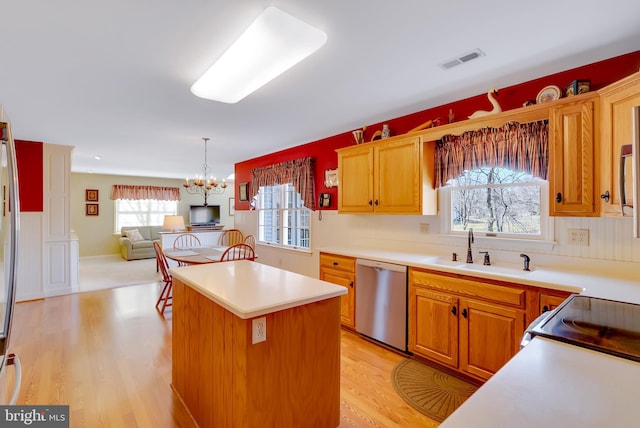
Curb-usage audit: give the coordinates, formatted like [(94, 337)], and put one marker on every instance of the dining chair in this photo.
[(250, 240), (166, 295), (238, 252), (230, 238), (186, 240)]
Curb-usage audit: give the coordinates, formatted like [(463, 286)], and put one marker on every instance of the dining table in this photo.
[(195, 255)]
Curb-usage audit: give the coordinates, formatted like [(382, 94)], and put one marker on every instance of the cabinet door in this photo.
[(571, 159), (549, 302), (355, 178), (433, 325), (489, 336), (398, 177), (617, 126), (347, 301)]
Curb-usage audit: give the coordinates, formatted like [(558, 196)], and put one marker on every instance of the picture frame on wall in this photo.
[(92, 209), (232, 206), (243, 192), (91, 195)]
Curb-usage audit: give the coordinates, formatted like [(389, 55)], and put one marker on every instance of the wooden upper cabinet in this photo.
[(397, 177), (617, 101), (355, 178), (572, 167), (393, 176)]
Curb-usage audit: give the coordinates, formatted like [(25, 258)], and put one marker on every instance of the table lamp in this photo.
[(173, 223)]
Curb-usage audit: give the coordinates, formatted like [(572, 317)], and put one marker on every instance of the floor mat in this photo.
[(431, 392)]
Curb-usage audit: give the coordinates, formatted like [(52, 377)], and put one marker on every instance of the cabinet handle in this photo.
[(545, 308), (605, 196), (558, 197), (335, 263), (454, 311), (376, 202), (464, 312), (370, 203), (351, 284)]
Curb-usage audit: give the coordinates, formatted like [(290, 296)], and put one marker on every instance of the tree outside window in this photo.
[(496, 200)]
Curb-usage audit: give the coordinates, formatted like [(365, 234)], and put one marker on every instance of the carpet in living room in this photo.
[(110, 271)]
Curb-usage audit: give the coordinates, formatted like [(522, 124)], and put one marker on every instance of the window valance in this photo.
[(125, 191), (298, 172), (520, 147)]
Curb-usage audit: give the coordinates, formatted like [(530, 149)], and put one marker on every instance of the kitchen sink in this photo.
[(509, 270), (442, 261)]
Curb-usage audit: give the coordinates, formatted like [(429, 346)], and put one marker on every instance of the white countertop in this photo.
[(548, 383), (250, 289), (552, 384), (597, 284)]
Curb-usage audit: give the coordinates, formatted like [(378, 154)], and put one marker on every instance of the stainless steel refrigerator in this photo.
[(9, 232)]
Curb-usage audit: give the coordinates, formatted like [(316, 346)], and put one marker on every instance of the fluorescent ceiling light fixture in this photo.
[(272, 44)]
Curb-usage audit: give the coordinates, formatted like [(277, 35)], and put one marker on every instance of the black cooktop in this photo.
[(599, 324)]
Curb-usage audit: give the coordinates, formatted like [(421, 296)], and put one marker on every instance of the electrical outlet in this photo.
[(259, 330), (424, 227), (579, 237)]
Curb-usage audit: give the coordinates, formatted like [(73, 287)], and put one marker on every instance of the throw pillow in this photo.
[(134, 235)]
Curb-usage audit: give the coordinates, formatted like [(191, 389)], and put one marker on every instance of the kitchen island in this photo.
[(223, 370)]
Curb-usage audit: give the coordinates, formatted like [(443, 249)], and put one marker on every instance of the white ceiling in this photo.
[(112, 78)]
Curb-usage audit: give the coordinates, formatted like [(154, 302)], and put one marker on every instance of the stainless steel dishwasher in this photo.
[(381, 302)]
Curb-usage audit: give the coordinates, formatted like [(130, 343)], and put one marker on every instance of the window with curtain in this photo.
[(143, 205), (283, 220), (285, 196), (494, 181)]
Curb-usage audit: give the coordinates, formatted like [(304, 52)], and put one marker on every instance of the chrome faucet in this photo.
[(469, 242)]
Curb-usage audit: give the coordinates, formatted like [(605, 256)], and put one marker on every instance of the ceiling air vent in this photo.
[(469, 56)]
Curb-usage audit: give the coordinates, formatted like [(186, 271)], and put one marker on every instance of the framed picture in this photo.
[(92, 209), (91, 195), (232, 206), (331, 178), (243, 192)]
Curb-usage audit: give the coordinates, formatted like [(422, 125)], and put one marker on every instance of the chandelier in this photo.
[(203, 186)]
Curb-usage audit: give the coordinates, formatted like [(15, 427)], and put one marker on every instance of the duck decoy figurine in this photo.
[(496, 106)]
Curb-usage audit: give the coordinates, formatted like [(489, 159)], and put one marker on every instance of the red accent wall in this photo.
[(30, 175), (599, 73)]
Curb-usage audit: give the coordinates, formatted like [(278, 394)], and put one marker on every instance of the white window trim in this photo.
[(116, 212), (501, 241), (281, 221)]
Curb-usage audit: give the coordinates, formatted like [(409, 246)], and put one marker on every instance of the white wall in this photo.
[(96, 233), (611, 245)]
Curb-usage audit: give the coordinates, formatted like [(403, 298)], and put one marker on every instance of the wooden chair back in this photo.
[(186, 240), (166, 297), (238, 252), (230, 238), (250, 240)]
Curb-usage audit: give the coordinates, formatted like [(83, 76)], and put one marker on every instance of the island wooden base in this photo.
[(292, 379)]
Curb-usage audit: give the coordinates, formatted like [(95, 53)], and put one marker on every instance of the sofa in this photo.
[(137, 242)]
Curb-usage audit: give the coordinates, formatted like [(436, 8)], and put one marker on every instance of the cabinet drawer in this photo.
[(468, 287), (334, 261)]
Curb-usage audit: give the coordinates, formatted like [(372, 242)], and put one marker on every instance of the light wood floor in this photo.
[(108, 355)]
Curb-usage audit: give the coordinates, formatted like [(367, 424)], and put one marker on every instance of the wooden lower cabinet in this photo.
[(470, 334), (341, 270), (490, 335), (549, 302), (433, 313)]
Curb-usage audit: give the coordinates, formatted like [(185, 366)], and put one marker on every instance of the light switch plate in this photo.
[(579, 237)]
